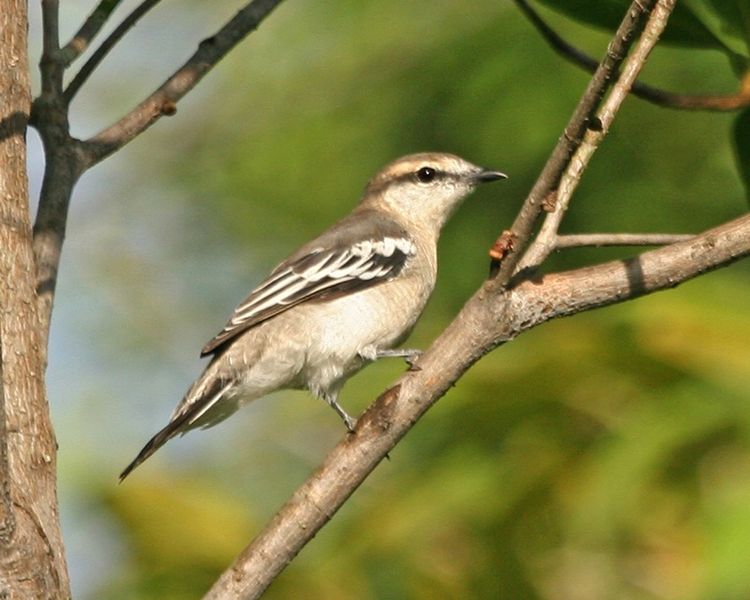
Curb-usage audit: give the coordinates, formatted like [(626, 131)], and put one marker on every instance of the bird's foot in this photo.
[(412, 359), (348, 420), (410, 355)]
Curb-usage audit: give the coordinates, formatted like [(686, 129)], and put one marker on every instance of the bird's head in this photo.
[(425, 189)]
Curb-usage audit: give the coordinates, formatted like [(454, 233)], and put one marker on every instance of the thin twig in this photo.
[(570, 140), (164, 100), (93, 62), (88, 31), (50, 65), (599, 240), (655, 95), (545, 242), (490, 318), (49, 114)]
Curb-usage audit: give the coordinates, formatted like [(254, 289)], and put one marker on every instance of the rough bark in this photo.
[(32, 562)]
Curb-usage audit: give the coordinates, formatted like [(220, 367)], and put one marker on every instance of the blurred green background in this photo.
[(602, 456)]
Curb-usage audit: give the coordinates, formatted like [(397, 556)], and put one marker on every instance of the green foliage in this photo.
[(176, 550), (722, 25), (727, 20)]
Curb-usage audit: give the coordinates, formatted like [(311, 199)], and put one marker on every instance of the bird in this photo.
[(348, 297)]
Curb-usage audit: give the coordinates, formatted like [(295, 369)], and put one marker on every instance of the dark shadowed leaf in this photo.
[(717, 24), (729, 22)]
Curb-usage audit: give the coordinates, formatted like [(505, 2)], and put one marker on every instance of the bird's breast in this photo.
[(339, 332)]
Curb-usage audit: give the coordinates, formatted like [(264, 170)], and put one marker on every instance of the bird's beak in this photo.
[(486, 175)]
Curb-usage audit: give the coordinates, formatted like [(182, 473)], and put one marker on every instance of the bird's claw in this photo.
[(412, 359), (349, 422)]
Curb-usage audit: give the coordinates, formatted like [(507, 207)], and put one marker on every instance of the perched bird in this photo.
[(348, 297)]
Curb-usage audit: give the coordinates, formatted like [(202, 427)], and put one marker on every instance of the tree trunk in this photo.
[(32, 561)]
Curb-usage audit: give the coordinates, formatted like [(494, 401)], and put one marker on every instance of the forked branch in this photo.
[(164, 100), (571, 138), (545, 241), (66, 157)]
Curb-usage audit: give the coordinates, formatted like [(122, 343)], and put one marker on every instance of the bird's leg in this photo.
[(349, 421), (410, 355)]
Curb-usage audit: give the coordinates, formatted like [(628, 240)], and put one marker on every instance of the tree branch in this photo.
[(580, 240), (67, 158), (548, 180), (88, 31), (660, 97), (490, 318), (50, 64), (545, 242), (93, 62), (49, 114), (61, 172), (32, 559), (163, 101)]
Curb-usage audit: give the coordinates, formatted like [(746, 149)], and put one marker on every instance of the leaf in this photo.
[(727, 20), (717, 24), (741, 133)]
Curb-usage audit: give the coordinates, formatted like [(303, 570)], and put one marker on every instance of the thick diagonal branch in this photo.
[(490, 318)]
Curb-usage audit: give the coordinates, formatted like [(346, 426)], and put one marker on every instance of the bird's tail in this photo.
[(203, 396), (153, 445)]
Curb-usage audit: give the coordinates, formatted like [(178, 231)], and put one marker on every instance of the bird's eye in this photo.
[(426, 174)]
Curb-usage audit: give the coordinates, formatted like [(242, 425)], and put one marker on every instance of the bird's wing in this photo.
[(318, 274)]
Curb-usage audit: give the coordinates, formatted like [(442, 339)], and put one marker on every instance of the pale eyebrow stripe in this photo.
[(379, 186)]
